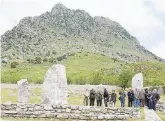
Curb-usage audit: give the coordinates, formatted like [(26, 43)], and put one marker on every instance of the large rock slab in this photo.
[(137, 81), (23, 91), (54, 88)]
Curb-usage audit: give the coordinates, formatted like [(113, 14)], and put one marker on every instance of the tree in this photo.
[(14, 64), (125, 78)]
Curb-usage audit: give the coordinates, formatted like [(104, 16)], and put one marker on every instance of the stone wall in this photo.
[(160, 106), (68, 112)]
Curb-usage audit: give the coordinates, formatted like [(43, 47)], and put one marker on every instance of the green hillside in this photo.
[(86, 68)]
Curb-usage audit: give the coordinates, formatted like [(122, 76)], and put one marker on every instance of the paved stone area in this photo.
[(150, 115)]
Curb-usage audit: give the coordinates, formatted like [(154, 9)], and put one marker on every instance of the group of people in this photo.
[(143, 97), (136, 98), (98, 96)]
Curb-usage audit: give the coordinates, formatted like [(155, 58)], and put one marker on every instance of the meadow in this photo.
[(86, 68)]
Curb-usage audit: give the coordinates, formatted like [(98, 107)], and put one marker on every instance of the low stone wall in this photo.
[(160, 106), (68, 112)]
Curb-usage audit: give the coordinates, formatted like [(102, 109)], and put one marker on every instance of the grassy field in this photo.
[(85, 68)]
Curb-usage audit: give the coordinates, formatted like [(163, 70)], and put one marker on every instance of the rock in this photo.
[(160, 90), (164, 111), (23, 91), (55, 86)]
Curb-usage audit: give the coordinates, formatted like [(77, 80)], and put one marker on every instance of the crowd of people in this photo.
[(136, 98)]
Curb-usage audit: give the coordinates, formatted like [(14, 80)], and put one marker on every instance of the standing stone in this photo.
[(160, 90), (54, 88), (137, 81), (23, 92)]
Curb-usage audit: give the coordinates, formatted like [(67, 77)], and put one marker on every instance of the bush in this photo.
[(45, 59), (14, 64), (62, 57), (28, 60), (54, 52), (38, 60), (52, 60)]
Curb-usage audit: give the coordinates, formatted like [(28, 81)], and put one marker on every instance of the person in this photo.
[(86, 97), (155, 98), (136, 98), (150, 105), (146, 98), (142, 97), (99, 98), (130, 95), (113, 97), (106, 97), (92, 97), (122, 98)]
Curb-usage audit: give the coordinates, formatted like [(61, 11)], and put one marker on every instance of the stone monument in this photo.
[(160, 90), (137, 81), (23, 91), (54, 88)]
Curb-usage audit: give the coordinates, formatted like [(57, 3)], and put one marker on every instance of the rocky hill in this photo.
[(63, 31)]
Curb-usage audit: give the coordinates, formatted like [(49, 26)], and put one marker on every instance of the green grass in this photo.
[(85, 68), (162, 97), (161, 115)]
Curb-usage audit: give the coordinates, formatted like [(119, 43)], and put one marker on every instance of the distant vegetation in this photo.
[(85, 68)]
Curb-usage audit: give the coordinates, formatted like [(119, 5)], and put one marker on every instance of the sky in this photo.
[(144, 19)]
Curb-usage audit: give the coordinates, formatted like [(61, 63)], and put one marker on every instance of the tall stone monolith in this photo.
[(54, 88), (23, 91)]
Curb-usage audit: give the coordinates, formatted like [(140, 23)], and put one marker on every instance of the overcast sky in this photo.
[(144, 19)]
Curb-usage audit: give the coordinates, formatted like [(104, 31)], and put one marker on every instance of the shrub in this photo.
[(62, 57), (28, 60), (38, 60), (14, 64), (52, 60), (54, 52), (45, 59)]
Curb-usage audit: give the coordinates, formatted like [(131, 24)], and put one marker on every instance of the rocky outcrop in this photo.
[(66, 30)]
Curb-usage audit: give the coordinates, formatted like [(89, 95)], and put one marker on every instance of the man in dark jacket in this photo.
[(155, 98), (130, 95), (106, 97), (113, 97), (92, 97), (99, 98), (146, 98)]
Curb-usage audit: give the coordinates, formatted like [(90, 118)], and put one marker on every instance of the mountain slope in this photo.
[(65, 31)]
